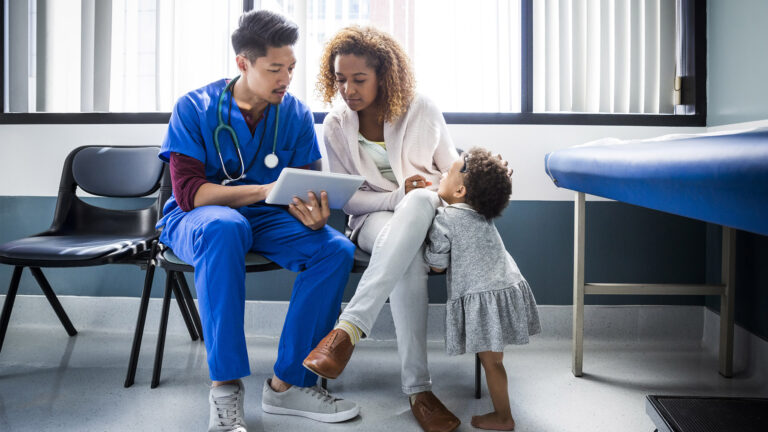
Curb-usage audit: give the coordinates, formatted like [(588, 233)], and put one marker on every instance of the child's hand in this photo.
[(416, 182), (437, 270)]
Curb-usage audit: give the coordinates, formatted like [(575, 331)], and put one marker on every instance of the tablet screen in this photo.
[(295, 182)]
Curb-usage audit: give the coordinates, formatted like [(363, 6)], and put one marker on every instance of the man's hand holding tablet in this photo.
[(311, 214), (300, 190)]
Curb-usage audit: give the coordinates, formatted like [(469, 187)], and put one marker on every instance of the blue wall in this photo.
[(624, 244)]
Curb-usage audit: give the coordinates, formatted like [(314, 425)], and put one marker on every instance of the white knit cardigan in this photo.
[(417, 143)]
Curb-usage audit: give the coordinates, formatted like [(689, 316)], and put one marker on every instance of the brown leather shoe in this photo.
[(431, 414), (331, 355)]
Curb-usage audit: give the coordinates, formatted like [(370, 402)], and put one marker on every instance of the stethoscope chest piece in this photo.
[(271, 160)]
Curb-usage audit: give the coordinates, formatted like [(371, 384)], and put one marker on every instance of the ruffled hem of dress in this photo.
[(491, 320)]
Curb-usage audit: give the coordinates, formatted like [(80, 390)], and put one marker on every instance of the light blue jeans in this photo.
[(397, 270)]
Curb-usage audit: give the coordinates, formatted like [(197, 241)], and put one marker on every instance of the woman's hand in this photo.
[(311, 214), (415, 182)]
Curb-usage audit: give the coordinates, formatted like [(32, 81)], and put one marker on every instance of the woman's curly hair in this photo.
[(487, 182), (383, 54)]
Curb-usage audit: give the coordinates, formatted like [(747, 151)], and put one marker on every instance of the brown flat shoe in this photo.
[(331, 355), (431, 414)]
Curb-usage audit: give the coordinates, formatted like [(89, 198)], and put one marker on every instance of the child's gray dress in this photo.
[(490, 304)]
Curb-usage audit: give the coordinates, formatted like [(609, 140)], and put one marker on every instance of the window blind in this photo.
[(604, 56)]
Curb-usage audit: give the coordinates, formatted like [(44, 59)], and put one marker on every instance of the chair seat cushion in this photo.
[(253, 262), (251, 259), (71, 247), (362, 258)]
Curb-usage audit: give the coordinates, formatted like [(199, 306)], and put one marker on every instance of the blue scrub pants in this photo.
[(215, 240)]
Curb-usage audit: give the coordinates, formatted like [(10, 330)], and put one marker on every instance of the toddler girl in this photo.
[(490, 304)]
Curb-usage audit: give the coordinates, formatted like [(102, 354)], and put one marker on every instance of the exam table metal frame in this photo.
[(725, 290)]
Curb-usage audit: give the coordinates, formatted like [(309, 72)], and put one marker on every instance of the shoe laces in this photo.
[(319, 393), (329, 342), (228, 412)]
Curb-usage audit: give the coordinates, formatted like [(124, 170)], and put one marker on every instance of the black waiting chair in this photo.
[(86, 235), (176, 282)]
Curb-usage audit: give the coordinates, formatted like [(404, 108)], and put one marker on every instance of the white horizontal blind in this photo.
[(465, 54), (19, 79), (116, 55), (141, 55), (58, 59), (603, 56), (162, 49)]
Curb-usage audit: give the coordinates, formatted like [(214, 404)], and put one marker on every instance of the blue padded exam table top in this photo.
[(718, 177)]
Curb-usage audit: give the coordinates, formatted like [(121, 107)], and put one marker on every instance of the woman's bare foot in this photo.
[(494, 421)]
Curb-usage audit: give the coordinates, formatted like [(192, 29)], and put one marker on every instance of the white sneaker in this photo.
[(311, 402), (226, 403)]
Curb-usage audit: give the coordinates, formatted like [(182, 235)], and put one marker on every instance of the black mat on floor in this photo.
[(707, 414)]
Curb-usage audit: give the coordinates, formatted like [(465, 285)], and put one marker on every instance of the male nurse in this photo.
[(226, 145)]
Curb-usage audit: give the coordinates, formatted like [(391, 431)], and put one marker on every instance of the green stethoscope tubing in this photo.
[(221, 126)]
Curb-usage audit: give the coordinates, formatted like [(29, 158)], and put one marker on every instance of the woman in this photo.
[(399, 142)]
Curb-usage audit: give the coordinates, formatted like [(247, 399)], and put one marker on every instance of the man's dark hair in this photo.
[(258, 30), (487, 182)]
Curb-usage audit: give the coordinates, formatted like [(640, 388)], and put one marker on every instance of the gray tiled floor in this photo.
[(51, 382)]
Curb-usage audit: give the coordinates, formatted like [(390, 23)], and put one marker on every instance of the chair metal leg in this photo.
[(477, 376), (53, 300), (182, 281), (181, 301), (140, 320), (161, 332), (8, 305)]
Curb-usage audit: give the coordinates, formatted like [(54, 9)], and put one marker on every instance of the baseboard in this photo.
[(265, 319)]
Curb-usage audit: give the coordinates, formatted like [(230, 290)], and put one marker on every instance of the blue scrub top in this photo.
[(195, 117)]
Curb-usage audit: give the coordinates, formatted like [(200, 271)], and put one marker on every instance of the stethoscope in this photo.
[(270, 160)]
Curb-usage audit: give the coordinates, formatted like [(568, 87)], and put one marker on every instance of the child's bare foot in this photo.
[(494, 421)]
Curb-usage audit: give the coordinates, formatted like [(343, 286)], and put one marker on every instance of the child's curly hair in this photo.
[(382, 53), (487, 182)]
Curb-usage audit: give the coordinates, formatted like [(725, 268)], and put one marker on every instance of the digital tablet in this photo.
[(295, 182)]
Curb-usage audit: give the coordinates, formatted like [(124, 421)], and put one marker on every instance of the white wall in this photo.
[(737, 61), (31, 156)]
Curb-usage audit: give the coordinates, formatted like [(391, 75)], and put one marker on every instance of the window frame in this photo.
[(526, 116)]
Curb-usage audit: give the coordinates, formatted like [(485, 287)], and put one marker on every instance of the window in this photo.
[(604, 56), (115, 55), (482, 61), (163, 49), (436, 39)]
